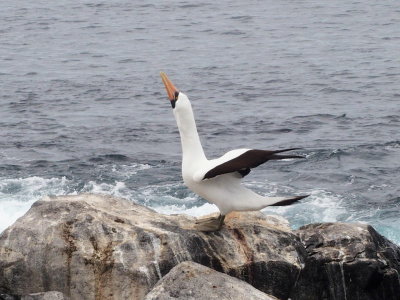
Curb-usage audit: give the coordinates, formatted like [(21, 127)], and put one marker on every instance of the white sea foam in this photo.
[(17, 195), (117, 189), (124, 172), (10, 211), (320, 206), (195, 211)]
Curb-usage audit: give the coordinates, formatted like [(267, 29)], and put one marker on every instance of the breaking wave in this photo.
[(17, 196)]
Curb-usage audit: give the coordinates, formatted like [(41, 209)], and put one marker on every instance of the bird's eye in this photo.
[(176, 95)]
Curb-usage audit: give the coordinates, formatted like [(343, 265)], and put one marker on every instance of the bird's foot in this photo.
[(209, 224), (206, 220)]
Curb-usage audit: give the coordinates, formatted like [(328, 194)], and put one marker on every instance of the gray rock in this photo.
[(348, 261), (52, 295), (45, 296), (101, 247), (191, 281), (9, 297)]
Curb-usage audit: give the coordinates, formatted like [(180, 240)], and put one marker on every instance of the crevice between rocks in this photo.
[(69, 250)]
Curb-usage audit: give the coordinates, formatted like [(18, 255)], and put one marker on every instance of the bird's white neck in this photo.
[(192, 151)]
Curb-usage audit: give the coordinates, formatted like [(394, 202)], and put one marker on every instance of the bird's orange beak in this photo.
[(172, 91)]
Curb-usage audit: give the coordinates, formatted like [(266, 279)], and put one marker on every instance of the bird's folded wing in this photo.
[(241, 161)]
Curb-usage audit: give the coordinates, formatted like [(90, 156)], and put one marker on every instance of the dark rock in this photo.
[(348, 261), (189, 280)]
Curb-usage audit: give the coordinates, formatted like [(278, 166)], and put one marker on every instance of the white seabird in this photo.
[(219, 180)]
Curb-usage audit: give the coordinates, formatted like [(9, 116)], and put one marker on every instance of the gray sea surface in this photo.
[(83, 109)]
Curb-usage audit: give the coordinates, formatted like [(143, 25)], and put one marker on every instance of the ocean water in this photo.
[(82, 107)]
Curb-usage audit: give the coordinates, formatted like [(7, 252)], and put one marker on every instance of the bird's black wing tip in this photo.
[(290, 200), (287, 149), (278, 156)]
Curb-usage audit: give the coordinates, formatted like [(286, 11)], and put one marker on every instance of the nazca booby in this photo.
[(219, 180)]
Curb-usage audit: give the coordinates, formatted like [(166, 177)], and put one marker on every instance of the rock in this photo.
[(44, 296), (101, 247), (191, 281), (348, 261), (53, 295)]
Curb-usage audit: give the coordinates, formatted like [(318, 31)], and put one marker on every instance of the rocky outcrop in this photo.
[(100, 247), (348, 261), (52, 295), (189, 280)]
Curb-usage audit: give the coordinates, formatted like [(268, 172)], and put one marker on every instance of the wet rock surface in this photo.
[(101, 247), (190, 280), (348, 261)]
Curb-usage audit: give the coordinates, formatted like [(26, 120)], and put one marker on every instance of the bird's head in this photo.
[(178, 99)]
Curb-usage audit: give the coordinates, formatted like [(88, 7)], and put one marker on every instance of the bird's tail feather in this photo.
[(288, 201)]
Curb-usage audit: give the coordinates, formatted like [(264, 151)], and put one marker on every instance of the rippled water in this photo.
[(83, 108)]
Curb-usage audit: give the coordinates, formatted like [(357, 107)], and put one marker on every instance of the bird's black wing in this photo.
[(247, 161)]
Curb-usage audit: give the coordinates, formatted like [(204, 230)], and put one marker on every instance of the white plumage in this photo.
[(222, 189)]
